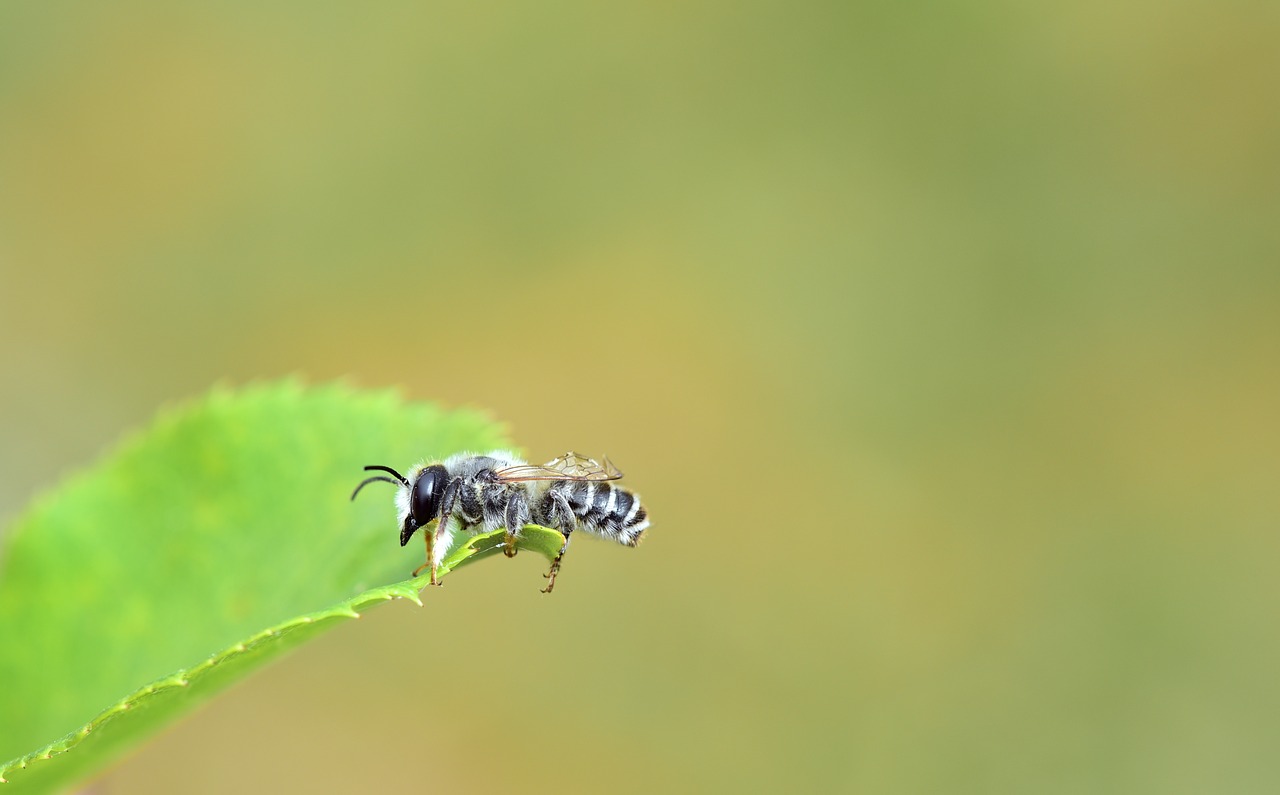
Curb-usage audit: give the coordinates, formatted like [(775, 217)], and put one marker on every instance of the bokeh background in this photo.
[(943, 341)]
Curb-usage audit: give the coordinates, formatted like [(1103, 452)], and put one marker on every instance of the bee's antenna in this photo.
[(364, 483), (399, 477)]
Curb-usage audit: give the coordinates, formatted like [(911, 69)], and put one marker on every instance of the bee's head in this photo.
[(419, 501), (425, 497)]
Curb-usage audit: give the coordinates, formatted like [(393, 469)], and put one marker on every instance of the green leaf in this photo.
[(202, 548)]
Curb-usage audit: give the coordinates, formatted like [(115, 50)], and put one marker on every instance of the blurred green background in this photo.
[(942, 340)]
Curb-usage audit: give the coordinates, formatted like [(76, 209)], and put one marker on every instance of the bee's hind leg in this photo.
[(566, 522), (555, 565)]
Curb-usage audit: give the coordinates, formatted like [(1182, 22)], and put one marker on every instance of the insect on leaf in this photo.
[(201, 548)]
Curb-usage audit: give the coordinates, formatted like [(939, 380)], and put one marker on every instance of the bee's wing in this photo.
[(569, 466)]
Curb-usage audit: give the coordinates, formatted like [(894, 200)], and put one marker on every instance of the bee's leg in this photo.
[(445, 531), (430, 538), (442, 530), (566, 521), (555, 565), (515, 517), (493, 507)]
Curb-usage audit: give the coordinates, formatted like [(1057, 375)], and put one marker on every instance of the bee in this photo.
[(468, 493)]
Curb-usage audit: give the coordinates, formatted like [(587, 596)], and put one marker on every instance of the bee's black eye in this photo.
[(427, 491)]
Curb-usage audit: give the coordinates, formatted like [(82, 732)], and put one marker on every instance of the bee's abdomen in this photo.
[(608, 510)]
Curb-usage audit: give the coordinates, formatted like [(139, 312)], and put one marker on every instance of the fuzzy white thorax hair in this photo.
[(457, 463)]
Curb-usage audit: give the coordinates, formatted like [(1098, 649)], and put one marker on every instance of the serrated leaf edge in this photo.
[(534, 538)]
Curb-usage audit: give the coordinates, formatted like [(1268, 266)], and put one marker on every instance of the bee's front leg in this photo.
[(430, 537), (447, 501)]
